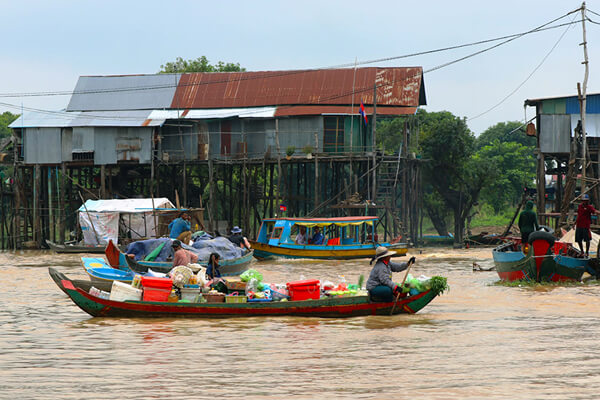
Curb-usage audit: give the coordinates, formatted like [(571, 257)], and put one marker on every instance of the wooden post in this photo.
[(184, 189), (37, 173), (583, 100), (541, 187), (316, 170), (212, 192), (278, 162), (61, 204), (102, 181), (374, 145)]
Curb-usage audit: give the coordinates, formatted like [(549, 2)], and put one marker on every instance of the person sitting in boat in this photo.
[(317, 237), (181, 229), (212, 271), (237, 238), (301, 236), (182, 256), (380, 285), (527, 222), (583, 223)]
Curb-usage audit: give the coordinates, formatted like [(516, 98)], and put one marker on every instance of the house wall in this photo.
[(112, 145), (42, 146)]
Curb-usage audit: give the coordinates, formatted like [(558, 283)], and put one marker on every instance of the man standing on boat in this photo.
[(583, 223), (380, 285), (182, 256), (527, 222), (181, 229), (237, 238)]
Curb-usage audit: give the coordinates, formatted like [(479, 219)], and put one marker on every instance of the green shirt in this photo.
[(528, 221)]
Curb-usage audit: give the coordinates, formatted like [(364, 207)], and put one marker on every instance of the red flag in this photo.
[(362, 112)]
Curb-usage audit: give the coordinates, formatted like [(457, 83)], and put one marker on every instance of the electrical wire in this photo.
[(270, 74), (526, 79), (69, 115)]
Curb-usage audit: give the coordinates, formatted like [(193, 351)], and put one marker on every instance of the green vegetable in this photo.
[(361, 280), (439, 284)]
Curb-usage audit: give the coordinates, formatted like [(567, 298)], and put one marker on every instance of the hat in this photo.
[(585, 197), (176, 243), (382, 252), (236, 229)]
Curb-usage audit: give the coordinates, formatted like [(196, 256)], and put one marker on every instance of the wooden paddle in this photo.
[(401, 285)]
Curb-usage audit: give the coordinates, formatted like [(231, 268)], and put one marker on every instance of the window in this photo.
[(333, 137), (277, 233)]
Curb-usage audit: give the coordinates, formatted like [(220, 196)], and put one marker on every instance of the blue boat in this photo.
[(100, 271), (345, 238)]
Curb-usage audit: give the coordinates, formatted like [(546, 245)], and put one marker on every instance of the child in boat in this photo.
[(380, 285), (212, 271), (527, 222), (583, 224)]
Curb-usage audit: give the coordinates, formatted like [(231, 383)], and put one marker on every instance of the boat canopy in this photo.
[(322, 224)]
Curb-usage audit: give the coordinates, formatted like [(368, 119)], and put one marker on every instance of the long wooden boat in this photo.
[(118, 259), (338, 307), (546, 260), (345, 238), (437, 240), (74, 248)]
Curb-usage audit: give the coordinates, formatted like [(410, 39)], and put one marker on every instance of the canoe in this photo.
[(74, 248), (546, 260), (336, 307), (346, 238), (437, 240), (99, 271), (118, 259)]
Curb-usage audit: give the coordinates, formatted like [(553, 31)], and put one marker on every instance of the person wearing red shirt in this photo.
[(583, 223)]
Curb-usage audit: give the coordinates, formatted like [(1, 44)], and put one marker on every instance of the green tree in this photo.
[(515, 168), (510, 131), (200, 64), (448, 146), (5, 119)]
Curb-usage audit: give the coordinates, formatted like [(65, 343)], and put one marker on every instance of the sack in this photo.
[(249, 274)]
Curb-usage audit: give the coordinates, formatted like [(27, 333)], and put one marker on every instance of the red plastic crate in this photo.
[(156, 289), (309, 289)]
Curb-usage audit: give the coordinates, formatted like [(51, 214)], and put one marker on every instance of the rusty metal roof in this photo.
[(397, 87)]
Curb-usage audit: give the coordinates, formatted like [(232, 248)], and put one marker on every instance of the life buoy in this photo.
[(542, 235)]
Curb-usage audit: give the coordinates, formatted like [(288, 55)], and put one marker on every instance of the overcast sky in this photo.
[(47, 45)]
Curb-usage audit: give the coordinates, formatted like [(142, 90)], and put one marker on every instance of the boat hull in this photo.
[(264, 251), (66, 248), (514, 265), (340, 307)]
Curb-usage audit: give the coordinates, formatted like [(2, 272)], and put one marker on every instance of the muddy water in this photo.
[(478, 341)]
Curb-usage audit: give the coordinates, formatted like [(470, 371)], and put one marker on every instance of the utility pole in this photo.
[(582, 100), (374, 122)]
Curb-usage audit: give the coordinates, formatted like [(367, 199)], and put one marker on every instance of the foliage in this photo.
[(448, 146), (439, 285), (505, 132), (536, 285), (390, 133), (436, 210), (5, 119), (200, 64), (290, 150), (308, 149), (484, 215), (514, 168)]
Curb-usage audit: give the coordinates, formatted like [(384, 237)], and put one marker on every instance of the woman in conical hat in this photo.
[(380, 285)]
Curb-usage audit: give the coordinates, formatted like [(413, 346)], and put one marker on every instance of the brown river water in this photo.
[(477, 341)]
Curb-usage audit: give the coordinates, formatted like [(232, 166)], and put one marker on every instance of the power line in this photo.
[(267, 75), (526, 79)]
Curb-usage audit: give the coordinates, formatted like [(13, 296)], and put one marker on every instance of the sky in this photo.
[(47, 45)]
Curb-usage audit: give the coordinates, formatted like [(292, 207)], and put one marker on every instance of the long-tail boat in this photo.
[(345, 238), (329, 307), (74, 248), (546, 260)]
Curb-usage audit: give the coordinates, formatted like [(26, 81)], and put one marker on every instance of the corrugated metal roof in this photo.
[(571, 103), (123, 92), (396, 87), (32, 119), (287, 111), (257, 112)]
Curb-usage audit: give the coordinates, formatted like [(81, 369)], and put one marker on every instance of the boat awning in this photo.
[(337, 223)]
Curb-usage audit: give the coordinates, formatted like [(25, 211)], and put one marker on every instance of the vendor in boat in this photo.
[(181, 228), (212, 271), (380, 285), (182, 256), (317, 237), (527, 222), (301, 236), (237, 238), (583, 223)]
